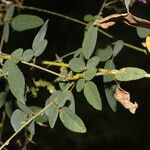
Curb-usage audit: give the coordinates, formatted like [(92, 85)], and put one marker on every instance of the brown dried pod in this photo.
[(123, 97), (127, 18)]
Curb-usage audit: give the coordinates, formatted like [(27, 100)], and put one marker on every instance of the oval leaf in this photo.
[(16, 82), (25, 22), (18, 118), (118, 47), (16, 55), (40, 35), (89, 73), (52, 116), (6, 32), (39, 47), (88, 18), (80, 85), (92, 95), (93, 62), (77, 64), (89, 41), (104, 54), (27, 55), (130, 73), (71, 120)]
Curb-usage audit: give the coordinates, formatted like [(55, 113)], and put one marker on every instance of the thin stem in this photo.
[(69, 54), (135, 48), (2, 125), (41, 68), (61, 64), (62, 16), (36, 66), (102, 7)]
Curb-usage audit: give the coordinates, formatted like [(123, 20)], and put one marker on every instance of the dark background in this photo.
[(105, 129)]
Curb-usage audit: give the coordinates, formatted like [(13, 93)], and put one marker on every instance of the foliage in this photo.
[(90, 61)]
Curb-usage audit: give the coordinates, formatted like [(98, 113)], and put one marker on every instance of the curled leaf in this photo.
[(127, 18), (124, 98)]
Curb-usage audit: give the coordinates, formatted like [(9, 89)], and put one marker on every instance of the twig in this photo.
[(102, 7)]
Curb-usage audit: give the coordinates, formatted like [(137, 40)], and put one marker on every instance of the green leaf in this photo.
[(16, 56), (31, 128), (41, 118), (18, 118), (77, 52), (52, 116), (80, 85), (109, 65), (142, 32), (6, 65), (130, 73), (27, 55), (9, 107), (39, 47), (118, 47), (77, 64), (26, 22), (63, 97), (2, 98), (9, 13), (104, 54), (6, 32), (92, 95), (40, 35), (89, 41), (88, 18), (16, 82), (89, 73), (71, 120), (93, 62), (110, 87), (127, 3), (24, 108), (109, 91)]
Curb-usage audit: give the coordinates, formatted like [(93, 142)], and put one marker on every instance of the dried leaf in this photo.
[(127, 18), (124, 98)]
